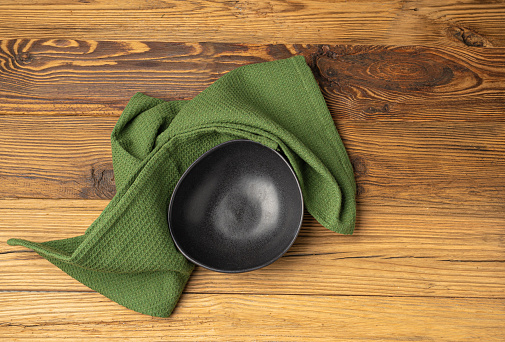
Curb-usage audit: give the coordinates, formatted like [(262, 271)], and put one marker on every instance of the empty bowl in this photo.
[(237, 208)]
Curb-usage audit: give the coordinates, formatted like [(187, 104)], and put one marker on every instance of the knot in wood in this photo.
[(469, 37), (359, 166), (24, 57)]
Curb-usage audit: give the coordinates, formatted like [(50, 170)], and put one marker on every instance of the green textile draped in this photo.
[(127, 254)]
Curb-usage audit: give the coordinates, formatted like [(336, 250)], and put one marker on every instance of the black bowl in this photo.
[(237, 208)]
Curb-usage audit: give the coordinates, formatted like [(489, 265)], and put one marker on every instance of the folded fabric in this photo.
[(127, 254)]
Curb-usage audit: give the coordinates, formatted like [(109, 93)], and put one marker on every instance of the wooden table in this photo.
[(417, 91)]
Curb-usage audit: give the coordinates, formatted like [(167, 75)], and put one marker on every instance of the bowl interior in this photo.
[(239, 207)]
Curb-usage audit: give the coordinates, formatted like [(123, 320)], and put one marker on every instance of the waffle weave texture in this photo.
[(127, 254)]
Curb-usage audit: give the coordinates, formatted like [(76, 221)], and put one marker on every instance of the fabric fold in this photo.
[(127, 254)]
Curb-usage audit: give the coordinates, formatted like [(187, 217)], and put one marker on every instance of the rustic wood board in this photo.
[(416, 90), (395, 252), (87, 77), (218, 317), (426, 22)]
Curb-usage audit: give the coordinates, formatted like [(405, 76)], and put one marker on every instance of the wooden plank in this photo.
[(426, 22), (437, 165), (457, 167), (86, 77), (51, 316), (396, 251), (59, 157)]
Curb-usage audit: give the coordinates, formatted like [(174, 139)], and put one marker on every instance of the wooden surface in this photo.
[(417, 91)]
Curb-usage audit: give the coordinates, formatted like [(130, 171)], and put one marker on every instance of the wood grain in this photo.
[(424, 126), (56, 157), (85, 77), (456, 168), (395, 251), (408, 83), (254, 317), (426, 22)]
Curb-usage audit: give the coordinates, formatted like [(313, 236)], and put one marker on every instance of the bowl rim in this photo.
[(242, 270)]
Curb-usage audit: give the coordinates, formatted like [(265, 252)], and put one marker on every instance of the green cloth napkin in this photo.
[(127, 254)]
